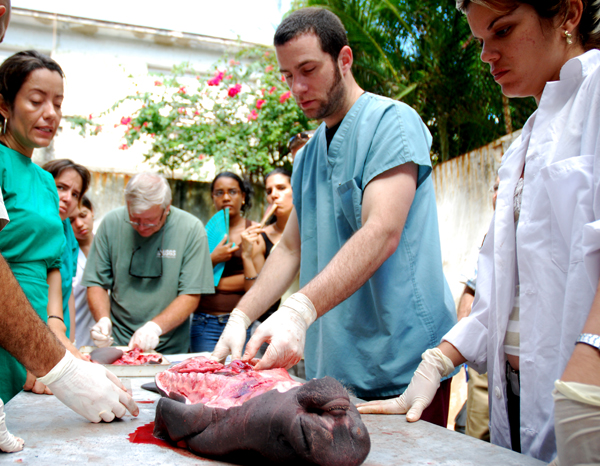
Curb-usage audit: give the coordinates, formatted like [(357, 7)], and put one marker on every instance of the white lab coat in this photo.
[(557, 249)]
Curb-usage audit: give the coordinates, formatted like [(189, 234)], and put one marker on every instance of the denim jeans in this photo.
[(206, 330)]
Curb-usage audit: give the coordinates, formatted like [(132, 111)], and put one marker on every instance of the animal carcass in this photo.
[(237, 412)]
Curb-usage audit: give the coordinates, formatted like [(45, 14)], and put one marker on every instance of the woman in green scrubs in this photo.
[(72, 181), (31, 95)]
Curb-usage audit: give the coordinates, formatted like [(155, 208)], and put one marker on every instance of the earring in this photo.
[(4, 126), (568, 37)]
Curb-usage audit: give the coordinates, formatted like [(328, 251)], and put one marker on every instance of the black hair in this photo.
[(278, 171), (85, 202), (56, 167), (244, 184), (318, 21), (588, 28), (15, 70)]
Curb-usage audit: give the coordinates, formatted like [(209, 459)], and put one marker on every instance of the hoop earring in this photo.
[(568, 37)]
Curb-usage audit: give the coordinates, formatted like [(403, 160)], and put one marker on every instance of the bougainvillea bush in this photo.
[(241, 117)]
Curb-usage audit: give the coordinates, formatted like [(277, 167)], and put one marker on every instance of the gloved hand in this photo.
[(8, 442), (101, 333), (577, 423), (419, 393), (89, 389), (146, 337), (233, 337), (285, 331)]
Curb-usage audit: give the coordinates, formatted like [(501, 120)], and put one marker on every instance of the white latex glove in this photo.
[(8, 442), (419, 393), (577, 423), (146, 337), (285, 331), (233, 337), (89, 389), (101, 332)]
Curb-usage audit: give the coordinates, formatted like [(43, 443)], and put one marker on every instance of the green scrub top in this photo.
[(68, 270), (32, 243)]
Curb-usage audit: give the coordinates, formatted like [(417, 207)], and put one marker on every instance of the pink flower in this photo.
[(123, 147), (282, 78), (228, 76), (196, 112), (125, 120), (97, 129), (253, 115), (235, 90), (158, 83), (182, 90), (145, 124), (233, 62), (285, 96), (260, 103), (219, 75), (152, 135), (90, 117), (181, 110), (269, 68), (273, 89), (201, 157)]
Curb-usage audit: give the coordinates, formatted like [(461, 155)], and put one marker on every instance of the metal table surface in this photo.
[(56, 435)]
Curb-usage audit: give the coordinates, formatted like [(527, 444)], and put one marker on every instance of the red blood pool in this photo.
[(144, 435)]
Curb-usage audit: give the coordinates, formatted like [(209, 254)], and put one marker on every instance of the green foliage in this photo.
[(422, 52), (241, 118)]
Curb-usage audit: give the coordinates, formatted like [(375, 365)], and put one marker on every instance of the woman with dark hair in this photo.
[(539, 267), (31, 95), (228, 191), (82, 221), (72, 181), (278, 188)]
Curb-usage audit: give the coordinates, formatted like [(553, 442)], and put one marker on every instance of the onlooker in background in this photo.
[(154, 259), (298, 141), (82, 222), (72, 181), (236, 250), (31, 95), (539, 267)]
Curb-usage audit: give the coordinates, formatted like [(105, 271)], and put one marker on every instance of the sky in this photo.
[(251, 20)]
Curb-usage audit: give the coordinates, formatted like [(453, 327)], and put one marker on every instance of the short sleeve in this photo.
[(98, 270), (196, 275), (401, 137)]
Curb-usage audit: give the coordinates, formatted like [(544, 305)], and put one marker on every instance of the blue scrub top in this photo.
[(373, 341)]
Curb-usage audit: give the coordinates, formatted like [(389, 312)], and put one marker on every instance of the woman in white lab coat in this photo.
[(539, 267)]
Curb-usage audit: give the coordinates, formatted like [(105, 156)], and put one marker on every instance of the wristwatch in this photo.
[(589, 339)]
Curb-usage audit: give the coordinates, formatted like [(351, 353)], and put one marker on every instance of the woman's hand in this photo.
[(32, 384), (250, 241), (223, 252)]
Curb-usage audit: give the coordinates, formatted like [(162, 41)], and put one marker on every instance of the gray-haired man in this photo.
[(154, 259)]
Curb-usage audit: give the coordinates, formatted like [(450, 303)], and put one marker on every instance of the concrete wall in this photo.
[(464, 202)]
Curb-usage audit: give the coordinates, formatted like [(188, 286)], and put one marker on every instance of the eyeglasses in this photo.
[(295, 139), (147, 225), (231, 192)]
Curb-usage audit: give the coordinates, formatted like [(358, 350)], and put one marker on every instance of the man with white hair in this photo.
[(155, 261)]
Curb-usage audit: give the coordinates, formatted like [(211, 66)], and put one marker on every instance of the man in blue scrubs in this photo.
[(363, 232)]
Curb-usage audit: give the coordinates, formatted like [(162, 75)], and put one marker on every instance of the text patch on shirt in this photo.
[(167, 253)]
